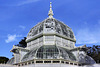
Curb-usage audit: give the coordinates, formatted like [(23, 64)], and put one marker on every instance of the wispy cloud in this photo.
[(89, 34), (22, 27), (11, 38), (85, 36), (19, 2), (26, 2)]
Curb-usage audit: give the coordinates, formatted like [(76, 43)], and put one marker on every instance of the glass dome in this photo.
[(49, 52), (52, 24)]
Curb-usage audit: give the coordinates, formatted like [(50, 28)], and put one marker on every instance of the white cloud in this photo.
[(20, 2), (85, 36), (26, 2), (22, 27), (11, 38), (89, 35)]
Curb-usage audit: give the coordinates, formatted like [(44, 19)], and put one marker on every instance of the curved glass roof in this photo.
[(11, 61), (86, 59), (52, 24), (49, 52), (30, 55)]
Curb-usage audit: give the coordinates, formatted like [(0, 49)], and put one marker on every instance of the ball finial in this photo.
[(50, 2)]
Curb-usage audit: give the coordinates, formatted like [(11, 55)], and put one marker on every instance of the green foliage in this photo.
[(3, 60), (94, 52), (22, 43)]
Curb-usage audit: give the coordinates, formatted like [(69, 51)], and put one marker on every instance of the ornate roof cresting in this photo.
[(50, 14)]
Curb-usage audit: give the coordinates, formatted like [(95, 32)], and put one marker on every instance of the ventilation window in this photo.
[(29, 62), (75, 64), (79, 64), (56, 61), (22, 64), (71, 63), (39, 61), (67, 62), (19, 65), (32, 62), (62, 61), (25, 63), (47, 61)]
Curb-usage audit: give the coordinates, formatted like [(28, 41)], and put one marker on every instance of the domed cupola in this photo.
[(51, 32)]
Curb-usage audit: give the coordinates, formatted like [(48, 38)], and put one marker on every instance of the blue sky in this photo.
[(17, 17)]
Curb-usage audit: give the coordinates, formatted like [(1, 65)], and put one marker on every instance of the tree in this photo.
[(94, 52), (22, 43), (3, 60)]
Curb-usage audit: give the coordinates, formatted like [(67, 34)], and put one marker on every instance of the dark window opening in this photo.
[(29, 62), (32, 62), (67, 62), (47, 61), (62, 61), (56, 61), (79, 64), (75, 64), (39, 61), (71, 63), (22, 64)]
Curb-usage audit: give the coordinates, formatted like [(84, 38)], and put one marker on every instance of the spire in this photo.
[(50, 14)]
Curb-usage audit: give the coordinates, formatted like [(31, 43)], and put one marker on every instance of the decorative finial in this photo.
[(50, 14)]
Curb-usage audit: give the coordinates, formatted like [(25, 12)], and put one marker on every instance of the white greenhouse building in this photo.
[(51, 43)]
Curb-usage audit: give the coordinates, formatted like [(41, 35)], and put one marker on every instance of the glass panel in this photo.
[(71, 34), (49, 37), (66, 54), (47, 52), (30, 55)]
